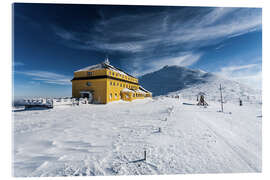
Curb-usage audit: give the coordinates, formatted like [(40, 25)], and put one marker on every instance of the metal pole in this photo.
[(144, 155), (221, 99)]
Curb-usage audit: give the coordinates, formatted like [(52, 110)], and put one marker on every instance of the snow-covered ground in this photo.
[(232, 91), (111, 139)]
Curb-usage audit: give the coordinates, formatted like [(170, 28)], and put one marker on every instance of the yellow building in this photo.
[(103, 83)]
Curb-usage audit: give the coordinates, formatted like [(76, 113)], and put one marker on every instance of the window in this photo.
[(133, 95), (117, 84), (116, 74), (111, 83), (114, 83), (123, 85), (115, 95), (113, 74), (88, 84), (120, 85), (89, 73), (109, 72), (110, 95)]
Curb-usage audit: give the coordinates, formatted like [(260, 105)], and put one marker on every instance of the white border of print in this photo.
[(6, 82)]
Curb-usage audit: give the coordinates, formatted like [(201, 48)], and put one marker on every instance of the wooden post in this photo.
[(221, 99)]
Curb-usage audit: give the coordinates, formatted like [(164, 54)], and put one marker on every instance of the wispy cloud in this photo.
[(230, 69), (182, 59), (47, 77), (249, 74), (18, 64), (161, 36), (145, 32), (185, 59)]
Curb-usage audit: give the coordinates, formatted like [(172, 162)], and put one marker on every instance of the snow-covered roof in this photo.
[(140, 91), (104, 65), (141, 88), (93, 67), (116, 70)]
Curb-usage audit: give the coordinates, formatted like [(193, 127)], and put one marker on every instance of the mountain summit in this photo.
[(172, 78), (177, 80)]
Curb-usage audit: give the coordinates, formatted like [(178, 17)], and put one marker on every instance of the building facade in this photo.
[(103, 83)]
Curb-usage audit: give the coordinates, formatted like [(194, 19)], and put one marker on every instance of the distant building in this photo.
[(103, 83)]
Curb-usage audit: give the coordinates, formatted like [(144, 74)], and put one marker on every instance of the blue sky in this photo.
[(52, 41)]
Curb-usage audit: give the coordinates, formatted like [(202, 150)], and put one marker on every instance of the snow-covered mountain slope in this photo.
[(111, 139), (174, 80), (231, 91), (171, 79)]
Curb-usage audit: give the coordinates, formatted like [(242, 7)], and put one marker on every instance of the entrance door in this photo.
[(87, 95)]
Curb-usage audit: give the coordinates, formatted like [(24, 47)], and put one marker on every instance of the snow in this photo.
[(93, 67), (127, 90), (110, 139), (232, 91), (140, 91), (177, 79)]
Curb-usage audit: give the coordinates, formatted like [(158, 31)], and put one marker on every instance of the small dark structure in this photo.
[(202, 101), (240, 102)]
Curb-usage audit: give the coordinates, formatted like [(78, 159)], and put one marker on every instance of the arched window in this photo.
[(115, 95)]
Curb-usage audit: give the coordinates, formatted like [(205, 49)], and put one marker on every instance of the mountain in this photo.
[(177, 80), (172, 78)]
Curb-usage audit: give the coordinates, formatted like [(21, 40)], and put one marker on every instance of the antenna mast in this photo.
[(107, 60), (221, 99)]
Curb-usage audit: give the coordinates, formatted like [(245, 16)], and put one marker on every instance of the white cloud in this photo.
[(18, 64), (183, 59), (146, 31), (249, 74), (47, 77), (217, 14), (164, 38), (186, 59), (230, 69)]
